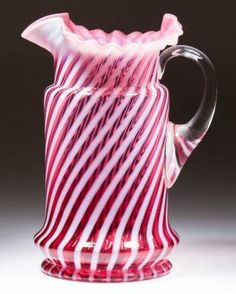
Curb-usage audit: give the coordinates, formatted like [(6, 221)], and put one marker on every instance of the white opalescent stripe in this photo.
[(88, 174), (187, 151), (173, 238), (116, 205), (50, 269), (161, 232), (147, 75), (60, 273), (194, 143), (154, 272), (61, 75), (61, 87), (149, 234), (60, 101), (64, 169), (141, 274), (155, 70), (109, 189), (55, 84)]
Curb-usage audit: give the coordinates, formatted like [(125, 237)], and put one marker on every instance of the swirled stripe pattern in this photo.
[(105, 133)]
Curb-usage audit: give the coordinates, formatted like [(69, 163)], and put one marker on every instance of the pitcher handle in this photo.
[(182, 139)]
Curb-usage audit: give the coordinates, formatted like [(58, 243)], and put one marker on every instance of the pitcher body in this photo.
[(110, 152)]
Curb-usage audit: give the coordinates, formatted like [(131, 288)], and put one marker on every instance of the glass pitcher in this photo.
[(111, 152)]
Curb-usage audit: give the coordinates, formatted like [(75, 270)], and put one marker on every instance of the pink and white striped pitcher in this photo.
[(111, 153)]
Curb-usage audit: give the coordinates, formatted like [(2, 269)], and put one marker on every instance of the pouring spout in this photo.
[(46, 32)]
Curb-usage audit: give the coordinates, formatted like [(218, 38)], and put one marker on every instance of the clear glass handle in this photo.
[(182, 139)]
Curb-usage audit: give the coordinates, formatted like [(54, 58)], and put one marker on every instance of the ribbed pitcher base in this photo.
[(85, 274)]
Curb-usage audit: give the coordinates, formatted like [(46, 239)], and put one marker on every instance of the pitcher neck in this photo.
[(80, 70)]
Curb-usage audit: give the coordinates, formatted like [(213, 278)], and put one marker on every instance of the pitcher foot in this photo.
[(160, 269)]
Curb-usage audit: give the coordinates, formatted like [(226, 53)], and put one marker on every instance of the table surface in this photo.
[(204, 262)]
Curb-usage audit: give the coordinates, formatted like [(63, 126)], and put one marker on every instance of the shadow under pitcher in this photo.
[(111, 153)]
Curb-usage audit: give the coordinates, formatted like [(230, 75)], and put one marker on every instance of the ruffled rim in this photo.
[(76, 34)]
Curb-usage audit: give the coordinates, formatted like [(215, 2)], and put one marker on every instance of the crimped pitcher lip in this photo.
[(78, 35)]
